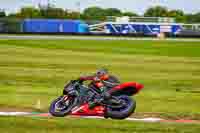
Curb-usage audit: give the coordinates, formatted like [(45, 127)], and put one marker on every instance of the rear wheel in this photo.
[(123, 111), (60, 107)]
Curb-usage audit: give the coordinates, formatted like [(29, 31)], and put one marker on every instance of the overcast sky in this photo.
[(138, 6)]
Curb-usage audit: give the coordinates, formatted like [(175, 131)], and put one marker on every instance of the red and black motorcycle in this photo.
[(77, 96)]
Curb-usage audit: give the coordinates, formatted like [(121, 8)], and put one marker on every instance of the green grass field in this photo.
[(75, 125), (32, 70)]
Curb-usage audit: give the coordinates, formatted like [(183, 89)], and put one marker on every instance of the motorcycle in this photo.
[(77, 96)]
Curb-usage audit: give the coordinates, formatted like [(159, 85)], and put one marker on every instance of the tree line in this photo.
[(98, 13)]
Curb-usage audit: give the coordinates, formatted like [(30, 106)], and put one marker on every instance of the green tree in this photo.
[(193, 18), (197, 17), (12, 15), (157, 11), (178, 15), (73, 15), (52, 12), (29, 12), (130, 14), (112, 12), (94, 13), (2, 13)]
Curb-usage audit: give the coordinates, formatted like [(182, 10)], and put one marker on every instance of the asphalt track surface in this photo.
[(47, 115), (67, 37)]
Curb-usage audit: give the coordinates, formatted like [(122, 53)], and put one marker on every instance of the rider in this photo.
[(100, 82)]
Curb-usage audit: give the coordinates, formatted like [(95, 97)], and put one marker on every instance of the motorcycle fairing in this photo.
[(84, 110), (129, 88)]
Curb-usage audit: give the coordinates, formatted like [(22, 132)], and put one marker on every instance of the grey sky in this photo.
[(138, 6)]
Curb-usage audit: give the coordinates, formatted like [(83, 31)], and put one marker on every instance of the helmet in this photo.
[(101, 72)]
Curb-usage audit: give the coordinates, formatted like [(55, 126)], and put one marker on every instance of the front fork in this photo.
[(65, 97), (66, 100)]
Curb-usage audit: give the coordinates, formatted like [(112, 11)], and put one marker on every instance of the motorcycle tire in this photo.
[(63, 112), (121, 113)]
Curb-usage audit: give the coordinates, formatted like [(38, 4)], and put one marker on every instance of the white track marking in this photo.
[(150, 119), (145, 119), (88, 117), (14, 113)]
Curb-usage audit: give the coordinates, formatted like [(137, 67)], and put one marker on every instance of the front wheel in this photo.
[(61, 107), (124, 111)]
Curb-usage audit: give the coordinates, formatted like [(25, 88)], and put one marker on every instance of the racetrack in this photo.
[(149, 119), (33, 70), (33, 73), (67, 37)]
